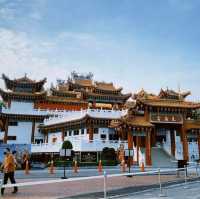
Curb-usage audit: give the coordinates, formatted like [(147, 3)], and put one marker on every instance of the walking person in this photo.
[(9, 170)]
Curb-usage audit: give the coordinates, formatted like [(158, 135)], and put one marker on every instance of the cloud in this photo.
[(12, 11), (19, 55)]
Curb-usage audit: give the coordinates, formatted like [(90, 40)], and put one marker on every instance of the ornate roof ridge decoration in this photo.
[(23, 82), (171, 94), (142, 94)]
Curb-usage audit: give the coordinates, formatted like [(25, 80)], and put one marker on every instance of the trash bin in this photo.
[(181, 165)]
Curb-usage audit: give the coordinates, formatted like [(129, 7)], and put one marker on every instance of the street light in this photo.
[(65, 152)]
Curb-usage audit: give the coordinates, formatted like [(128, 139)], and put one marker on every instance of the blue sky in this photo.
[(134, 43)]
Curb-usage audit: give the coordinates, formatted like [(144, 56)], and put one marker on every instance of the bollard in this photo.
[(185, 178), (142, 167), (161, 194), (75, 167), (100, 167), (123, 166), (51, 168), (104, 184), (27, 167)]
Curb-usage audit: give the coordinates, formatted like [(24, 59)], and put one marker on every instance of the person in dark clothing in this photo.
[(8, 167)]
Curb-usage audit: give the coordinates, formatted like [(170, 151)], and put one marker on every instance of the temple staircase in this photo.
[(161, 159)]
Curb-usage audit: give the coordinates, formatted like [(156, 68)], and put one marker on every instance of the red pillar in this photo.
[(148, 148), (91, 133), (130, 144), (185, 144)]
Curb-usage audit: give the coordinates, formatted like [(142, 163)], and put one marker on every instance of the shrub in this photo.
[(67, 145)]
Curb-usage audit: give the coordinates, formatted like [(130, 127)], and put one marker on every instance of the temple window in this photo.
[(96, 130), (12, 123), (70, 133), (76, 132), (103, 136), (82, 131)]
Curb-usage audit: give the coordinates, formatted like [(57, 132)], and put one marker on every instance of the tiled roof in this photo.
[(170, 103), (192, 124), (106, 86), (137, 121), (84, 82)]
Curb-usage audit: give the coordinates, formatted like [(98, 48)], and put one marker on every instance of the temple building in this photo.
[(20, 119), (94, 115), (166, 122), (28, 103)]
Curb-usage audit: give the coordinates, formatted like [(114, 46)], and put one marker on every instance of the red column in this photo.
[(148, 148), (130, 145), (91, 132), (185, 144)]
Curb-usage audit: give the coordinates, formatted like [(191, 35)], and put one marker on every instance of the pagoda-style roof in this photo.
[(107, 97), (65, 93), (23, 84), (192, 124), (24, 117), (22, 96), (137, 121), (168, 103), (142, 94), (81, 117), (106, 86), (171, 94), (65, 100), (83, 82)]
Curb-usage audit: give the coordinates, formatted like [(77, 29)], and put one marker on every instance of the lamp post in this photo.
[(66, 152)]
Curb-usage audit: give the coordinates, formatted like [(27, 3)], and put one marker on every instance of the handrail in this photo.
[(90, 178)]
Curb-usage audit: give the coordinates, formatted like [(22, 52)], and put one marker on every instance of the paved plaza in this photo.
[(92, 188), (179, 191)]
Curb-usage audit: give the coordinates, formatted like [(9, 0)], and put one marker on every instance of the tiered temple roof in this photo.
[(166, 98), (86, 89), (23, 84)]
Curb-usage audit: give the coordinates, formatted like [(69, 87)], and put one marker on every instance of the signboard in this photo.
[(67, 153), (89, 157), (167, 118)]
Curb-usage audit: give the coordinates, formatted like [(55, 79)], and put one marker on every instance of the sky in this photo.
[(135, 44)]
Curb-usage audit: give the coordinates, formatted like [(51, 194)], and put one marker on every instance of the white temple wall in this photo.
[(22, 131), (38, 135), (21, 107), (55, 136)]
